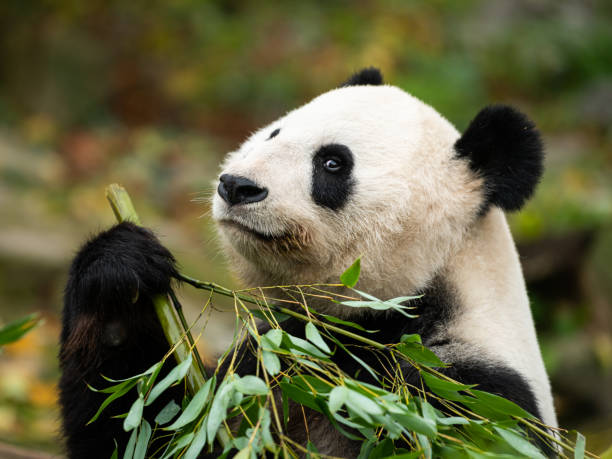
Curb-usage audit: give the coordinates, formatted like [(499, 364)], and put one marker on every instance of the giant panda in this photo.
[(365, 170)]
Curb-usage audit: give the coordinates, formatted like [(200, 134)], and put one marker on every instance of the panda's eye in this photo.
[(273, 134), (332, 164)]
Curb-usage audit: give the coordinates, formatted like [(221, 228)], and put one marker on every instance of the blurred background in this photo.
[(153, 94)]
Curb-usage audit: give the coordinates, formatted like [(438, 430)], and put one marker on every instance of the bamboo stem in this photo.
[(168, 316)]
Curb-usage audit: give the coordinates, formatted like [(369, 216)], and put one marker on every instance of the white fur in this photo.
[(412, 215)]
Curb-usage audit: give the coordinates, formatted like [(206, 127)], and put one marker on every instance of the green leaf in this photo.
[(271, 362), (444, 388), (312, 451), (519, 443), (337, 398), (383, 449), (356, 399), (218, 409), (335, 320), (313, 335), (350, 277), (278, 316), (251, 385), (403, 299), (115, 395), (13, 331), (175, 375), (131, 444), (195, 406), (412, 455), (149, 371), (113, 388), (318, 385), (420, 354), (167, 413), (298, 395), (412, 421), (274, 336), (304, 347), (414, 338), (244, 453), (500, 404), (144, 435), (180, 444), (134, 415), (579, 446), (453, 420), (374, 303), (266, 435), (198, 443), (424, 442)]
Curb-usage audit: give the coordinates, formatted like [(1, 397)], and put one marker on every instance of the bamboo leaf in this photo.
[(180, 444), (579, 446), (175, 375), (274, 338), (500, 404), (195, 406), (520, 444), (131, 444), (313, 335), (134, 415), (251, 385), (350, 277), (337, 398), (13, 331), (144, 435), (115, 395), (218, 409), (271, 362), (198, 443), (167, 413), (335, 320)]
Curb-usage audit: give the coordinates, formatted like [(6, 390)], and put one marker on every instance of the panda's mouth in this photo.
[(245, 229)]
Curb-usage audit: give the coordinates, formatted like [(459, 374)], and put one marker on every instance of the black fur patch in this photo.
[(332, 189), (368, 76), (504, 147)]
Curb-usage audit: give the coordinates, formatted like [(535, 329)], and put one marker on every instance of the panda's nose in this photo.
[(239, 190)]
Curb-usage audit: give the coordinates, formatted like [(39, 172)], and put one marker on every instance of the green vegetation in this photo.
[(13, 331), (390, 419)]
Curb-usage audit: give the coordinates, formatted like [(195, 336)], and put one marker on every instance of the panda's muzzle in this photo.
[(234, 190)]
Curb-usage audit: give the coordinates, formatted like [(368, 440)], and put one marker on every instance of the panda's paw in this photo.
[(119, 266)]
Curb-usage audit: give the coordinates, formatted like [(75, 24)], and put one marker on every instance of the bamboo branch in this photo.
[(169, 317)]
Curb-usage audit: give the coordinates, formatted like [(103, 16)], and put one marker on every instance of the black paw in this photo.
[(117, 267)]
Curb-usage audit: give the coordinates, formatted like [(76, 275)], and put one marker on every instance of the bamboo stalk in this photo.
[(168, 316)]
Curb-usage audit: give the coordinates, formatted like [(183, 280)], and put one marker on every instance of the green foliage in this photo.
[(13, 331), (249, 414)]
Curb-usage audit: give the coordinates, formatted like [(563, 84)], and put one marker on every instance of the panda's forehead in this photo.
[(363, 115)]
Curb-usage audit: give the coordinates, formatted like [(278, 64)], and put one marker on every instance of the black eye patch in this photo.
[(332, 180), (274, 133)]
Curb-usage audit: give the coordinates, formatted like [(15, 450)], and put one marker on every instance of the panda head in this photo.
[(368, 170)]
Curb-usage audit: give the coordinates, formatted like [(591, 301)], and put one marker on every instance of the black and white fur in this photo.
[(363, 170)]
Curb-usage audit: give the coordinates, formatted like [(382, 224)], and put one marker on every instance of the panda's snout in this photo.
[(234, 189)]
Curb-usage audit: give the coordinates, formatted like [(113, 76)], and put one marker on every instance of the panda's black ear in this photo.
[(504, 147), (368, 76)]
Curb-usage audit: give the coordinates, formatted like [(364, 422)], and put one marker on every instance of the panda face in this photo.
[(359, 171)]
